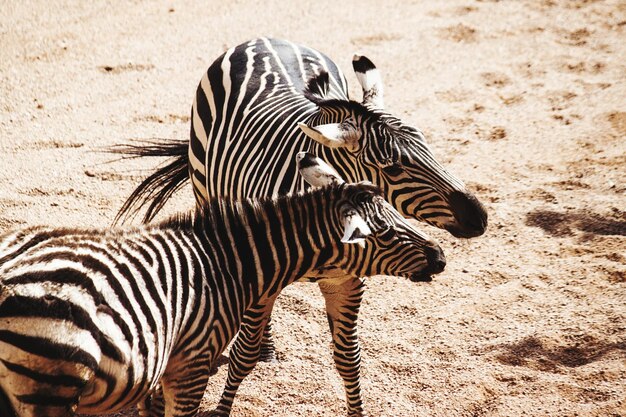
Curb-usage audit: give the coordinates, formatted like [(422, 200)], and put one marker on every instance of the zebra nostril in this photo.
[(436, 259)]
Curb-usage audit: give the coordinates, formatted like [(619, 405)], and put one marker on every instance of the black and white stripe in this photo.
[(265, 100), (94, 321)]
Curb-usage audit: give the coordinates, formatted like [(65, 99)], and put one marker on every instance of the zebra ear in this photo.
[(333, 135), (315, 171), (371, 82), (355, 228)]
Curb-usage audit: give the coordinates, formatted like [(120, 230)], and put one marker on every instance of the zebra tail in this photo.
[(157, 188)]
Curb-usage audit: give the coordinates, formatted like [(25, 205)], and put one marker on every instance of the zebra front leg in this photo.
[(343, 301), (244, 353)]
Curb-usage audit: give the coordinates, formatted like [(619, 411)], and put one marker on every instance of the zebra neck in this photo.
[(310, 232), (276, 242)]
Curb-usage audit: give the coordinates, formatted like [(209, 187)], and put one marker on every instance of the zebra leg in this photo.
[(343, 301), (153, 405), (244, 353), (183, 386)]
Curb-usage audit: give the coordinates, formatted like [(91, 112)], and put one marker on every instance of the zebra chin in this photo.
[(426, 275), (436, 264), (420, 277), (464, 232)]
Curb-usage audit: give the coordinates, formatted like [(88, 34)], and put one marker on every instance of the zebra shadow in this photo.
[(562, 224), (531, 352)]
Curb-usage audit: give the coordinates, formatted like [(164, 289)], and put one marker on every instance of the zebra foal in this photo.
[(94, 321)]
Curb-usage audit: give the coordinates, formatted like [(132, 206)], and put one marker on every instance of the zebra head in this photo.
[(365, 142), (389, 244)]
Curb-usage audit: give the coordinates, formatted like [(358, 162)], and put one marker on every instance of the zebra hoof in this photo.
[(216, 413), (268, 357), (268, 353)]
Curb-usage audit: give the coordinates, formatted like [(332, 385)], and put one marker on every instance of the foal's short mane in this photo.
[(207, 210)]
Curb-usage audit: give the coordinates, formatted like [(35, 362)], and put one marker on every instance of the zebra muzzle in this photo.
[(436, 264)]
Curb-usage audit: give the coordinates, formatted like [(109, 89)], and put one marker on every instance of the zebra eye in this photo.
[(394, 169)]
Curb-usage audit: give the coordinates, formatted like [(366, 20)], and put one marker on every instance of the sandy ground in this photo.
[(524, 100)]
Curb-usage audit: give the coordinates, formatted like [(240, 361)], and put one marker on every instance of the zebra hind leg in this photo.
[(244, 354), (153, 405)]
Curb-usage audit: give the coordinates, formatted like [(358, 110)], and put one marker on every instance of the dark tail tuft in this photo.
[(155, 190)]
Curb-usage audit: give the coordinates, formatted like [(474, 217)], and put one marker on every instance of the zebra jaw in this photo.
[(421, 277)]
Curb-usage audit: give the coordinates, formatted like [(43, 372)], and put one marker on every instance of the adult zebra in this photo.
[(96, 320), (258, 105)]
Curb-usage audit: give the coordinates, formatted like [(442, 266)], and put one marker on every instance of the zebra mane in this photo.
[(210, 211), (353, 188), (181, 221), (366, 187), (346, 107)]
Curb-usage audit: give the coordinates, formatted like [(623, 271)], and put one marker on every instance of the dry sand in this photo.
[(524, 100)]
